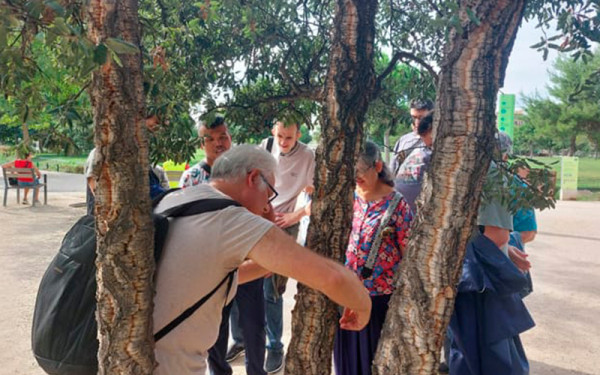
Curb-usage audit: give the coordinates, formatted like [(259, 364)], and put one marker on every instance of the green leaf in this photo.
[(60, 26), (473, 17), (100, 54), (538, 45), (120, 46), (116, 58)]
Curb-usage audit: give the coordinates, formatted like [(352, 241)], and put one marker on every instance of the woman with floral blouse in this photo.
[(380, 228)]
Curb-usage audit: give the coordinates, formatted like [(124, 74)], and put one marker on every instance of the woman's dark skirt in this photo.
[(353, 351)]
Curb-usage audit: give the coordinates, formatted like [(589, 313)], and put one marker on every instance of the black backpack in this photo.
[(64, 332)]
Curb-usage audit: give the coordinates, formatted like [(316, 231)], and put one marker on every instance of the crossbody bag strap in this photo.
[(367, 270), (192, 309), (270, 144)]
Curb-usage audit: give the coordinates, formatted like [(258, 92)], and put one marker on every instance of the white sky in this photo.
[(527, 71)]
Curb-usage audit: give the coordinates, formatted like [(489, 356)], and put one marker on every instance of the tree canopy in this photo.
[(572, 109)]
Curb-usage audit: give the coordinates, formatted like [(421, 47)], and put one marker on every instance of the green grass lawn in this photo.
[(588, 174), (588, 177)]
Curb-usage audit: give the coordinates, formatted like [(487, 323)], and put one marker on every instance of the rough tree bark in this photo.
[(471, 74), (25, 131), (123, 224), (350, 79)]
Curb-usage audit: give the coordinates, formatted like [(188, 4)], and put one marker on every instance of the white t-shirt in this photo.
[(198, 253), (295, 171)]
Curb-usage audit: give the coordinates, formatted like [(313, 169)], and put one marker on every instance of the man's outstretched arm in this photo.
[(279, 253)]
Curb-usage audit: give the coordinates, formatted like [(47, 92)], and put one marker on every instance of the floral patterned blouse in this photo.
[(366, 220)]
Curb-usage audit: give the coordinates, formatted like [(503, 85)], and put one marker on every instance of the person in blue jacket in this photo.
[(489, 314)]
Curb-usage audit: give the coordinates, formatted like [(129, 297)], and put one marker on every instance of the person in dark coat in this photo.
[(489, 314)]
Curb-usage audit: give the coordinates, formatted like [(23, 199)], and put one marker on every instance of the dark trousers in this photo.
[(353, 352), (249, 300)]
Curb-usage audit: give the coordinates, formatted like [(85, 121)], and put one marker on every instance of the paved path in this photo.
[(57, 182), (565, 304)]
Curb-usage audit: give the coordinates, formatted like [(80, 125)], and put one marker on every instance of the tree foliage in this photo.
[(571, 110)]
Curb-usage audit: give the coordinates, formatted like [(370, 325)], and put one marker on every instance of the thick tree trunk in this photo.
[(350, 80), (472, 71), (124, 227), (573, 145)]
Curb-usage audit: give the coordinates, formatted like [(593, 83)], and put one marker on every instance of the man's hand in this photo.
[(353, 320), (286, 220), (519, 258)]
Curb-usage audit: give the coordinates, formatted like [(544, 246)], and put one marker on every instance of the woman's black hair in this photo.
[(425, 124), (370, 155)]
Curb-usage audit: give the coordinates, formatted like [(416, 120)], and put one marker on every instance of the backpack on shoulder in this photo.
[(64, 331)]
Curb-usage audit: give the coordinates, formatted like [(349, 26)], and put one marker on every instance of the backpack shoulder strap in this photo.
[(190, 209), (192, 309), (200, 206)]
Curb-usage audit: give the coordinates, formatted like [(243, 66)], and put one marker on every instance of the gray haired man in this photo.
[(202, 249)]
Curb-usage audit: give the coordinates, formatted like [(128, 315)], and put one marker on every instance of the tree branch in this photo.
[(400, 55)]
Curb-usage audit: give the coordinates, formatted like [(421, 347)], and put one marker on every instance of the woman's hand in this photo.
[(355, 320)]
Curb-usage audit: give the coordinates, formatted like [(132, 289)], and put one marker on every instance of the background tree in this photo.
[(571, 110)]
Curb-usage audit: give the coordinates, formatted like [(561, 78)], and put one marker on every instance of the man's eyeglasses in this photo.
[(275, 193)]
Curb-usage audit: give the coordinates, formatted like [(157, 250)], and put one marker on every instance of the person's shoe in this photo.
[(37, 201), (274, 361), (443, 369), (234, 352), (25, 201)]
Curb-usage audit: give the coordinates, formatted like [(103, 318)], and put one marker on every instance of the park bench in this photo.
[(14, 173)]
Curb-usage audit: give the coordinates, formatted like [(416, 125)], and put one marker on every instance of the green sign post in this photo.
[(568, 177), (506, 114)]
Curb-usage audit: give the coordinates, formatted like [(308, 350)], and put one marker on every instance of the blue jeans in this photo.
[(274, 306), (247, 315), (274, 316)]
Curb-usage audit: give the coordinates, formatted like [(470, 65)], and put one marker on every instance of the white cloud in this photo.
[(527, 71)]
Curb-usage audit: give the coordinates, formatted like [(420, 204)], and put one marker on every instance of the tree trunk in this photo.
[(350, 80), (573, 145), (25, 130), (123, 224), (471, 73)]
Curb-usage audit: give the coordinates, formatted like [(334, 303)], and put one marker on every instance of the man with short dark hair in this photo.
[(214, 140), (419, 108), (409, 178)]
